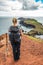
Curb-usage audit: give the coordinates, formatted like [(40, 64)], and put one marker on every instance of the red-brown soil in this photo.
[(31, 52)]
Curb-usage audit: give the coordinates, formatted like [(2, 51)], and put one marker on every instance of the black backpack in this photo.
[(15, 34)]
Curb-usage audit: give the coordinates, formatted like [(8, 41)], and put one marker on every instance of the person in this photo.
[(15, 34)]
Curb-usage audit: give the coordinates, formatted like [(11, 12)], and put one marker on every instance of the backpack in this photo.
[(14, 32)]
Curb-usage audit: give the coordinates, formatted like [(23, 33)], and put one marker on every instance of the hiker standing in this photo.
[(15, 34)]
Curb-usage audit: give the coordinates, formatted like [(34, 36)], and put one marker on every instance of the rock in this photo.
[(1, 45)]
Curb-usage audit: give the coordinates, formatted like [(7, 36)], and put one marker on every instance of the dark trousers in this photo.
[(15, 47), (16, 50)]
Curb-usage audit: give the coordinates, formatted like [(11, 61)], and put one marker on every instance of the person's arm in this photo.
[(21, 33), (9, 29), (20, 30)]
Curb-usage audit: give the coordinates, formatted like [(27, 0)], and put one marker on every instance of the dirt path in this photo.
[(31, 53)]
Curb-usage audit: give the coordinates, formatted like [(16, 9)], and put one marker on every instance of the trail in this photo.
[(31, 52)]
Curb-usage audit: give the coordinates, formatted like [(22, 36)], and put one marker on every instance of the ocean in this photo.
[(6, 22)]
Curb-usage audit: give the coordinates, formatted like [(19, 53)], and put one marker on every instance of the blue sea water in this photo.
[(4, 25)]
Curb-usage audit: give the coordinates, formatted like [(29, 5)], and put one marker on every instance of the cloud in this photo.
[(41, 7), (7, 8), (4, 6), (17, 5), (21, 13), (30, 4), (9, 5)]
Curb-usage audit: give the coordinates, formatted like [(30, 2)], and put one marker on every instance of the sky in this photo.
[(38, 0), (7, 7)]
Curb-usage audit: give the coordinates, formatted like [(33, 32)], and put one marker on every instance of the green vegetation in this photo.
[(38, 27)]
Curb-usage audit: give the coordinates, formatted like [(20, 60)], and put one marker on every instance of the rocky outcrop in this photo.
[(3, 36), (27, 25)]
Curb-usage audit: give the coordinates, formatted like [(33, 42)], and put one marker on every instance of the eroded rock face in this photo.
[(1, 45), (2, 39), (3, 36), (27, 25)]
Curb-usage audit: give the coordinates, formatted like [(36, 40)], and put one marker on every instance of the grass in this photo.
[(38, 26), (35, 39)]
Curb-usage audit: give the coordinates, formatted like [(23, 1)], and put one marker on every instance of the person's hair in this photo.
[(14, 20)]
